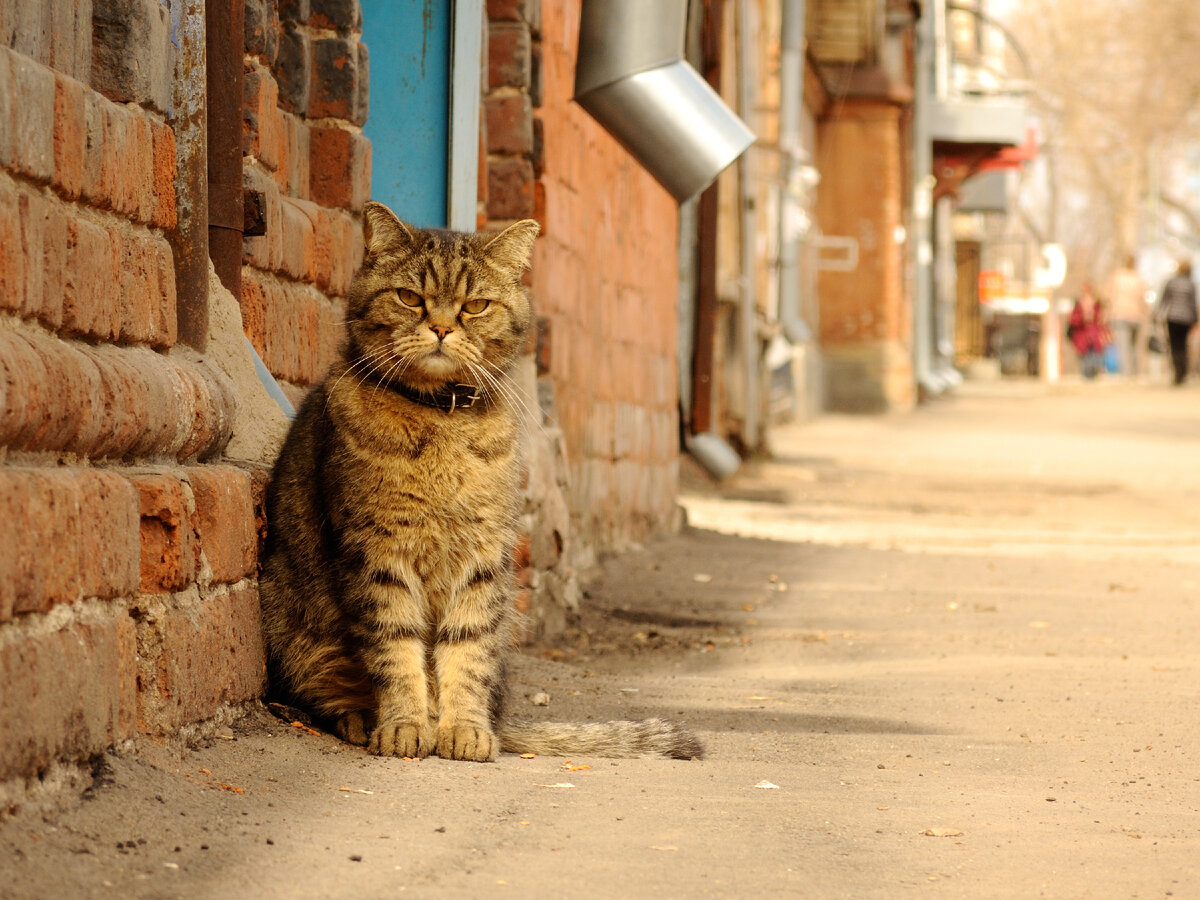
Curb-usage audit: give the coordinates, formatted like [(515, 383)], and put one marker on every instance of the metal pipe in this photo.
[(224, 45), (748, 299), (791, 227), (189, 121), (922, 210), (631, 77)]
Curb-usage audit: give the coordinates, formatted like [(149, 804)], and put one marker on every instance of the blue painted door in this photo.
[(409, 121)]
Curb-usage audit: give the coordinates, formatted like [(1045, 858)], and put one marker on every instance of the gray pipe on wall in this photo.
[(791, 102), (632, 78)]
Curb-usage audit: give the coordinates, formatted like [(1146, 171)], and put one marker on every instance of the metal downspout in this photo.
[(748, 319), (922, 211), (791, 231)]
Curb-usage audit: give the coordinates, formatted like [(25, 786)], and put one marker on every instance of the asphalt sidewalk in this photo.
[(944, 654)]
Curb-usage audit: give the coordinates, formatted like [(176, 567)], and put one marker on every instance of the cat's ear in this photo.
[(512, 248), (382, 230)]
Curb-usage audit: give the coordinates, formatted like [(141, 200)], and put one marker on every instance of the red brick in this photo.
[(93, 188), (136, 288), (33, 215), (330, 328), (195, 656), (510, 189), (109, 545), (70, 136), (131, 51), (23, 389), (509, 10), (146, 201), (509, 55), (253, 303), (333, 92), (509, 124), (339, 15), (225, 521), (8, 94), (33, 119), (293, 67), (12, 258), (362, 101), (340, 167), (65, 534), (165, 166), (40, 533), (299, 251), (293, 174), (165, 321), (264, 251), (90, 281), (67, 694), (261, 29), (119, 164), (338, 251), (169, 549), (262, 125)]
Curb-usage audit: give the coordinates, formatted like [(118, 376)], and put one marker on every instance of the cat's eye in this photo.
[(475, 307), (409, 298)]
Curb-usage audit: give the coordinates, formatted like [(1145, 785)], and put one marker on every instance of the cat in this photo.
[(387, 578)]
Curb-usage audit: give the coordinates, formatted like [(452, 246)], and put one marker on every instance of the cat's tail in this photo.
[(649, 737)]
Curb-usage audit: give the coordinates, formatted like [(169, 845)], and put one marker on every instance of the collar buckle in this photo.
[(470, 400)]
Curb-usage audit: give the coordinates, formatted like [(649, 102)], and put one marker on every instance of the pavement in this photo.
[(944, 654)]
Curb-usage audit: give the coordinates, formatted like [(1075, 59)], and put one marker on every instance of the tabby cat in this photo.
[(387, 580)]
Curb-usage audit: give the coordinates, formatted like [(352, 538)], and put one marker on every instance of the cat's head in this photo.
[(431, 307)]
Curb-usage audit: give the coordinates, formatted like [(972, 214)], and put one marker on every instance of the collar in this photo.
[(447, 398)]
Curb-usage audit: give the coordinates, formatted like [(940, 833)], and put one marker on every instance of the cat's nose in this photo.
[(441, 331)]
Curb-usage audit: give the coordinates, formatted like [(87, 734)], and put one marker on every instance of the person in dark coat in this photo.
[(1177, 307)]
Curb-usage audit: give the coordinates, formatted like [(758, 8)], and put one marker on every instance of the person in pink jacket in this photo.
[(1088, 331)]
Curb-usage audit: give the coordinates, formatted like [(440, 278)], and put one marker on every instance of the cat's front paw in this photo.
[(401, 739), (467, 742)]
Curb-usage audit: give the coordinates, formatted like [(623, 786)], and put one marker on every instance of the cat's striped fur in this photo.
[(387, 581)]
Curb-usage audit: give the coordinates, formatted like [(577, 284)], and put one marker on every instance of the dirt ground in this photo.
[(946, 654)]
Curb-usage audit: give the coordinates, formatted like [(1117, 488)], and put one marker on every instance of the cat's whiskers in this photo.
[(367, 360), (503, 386)]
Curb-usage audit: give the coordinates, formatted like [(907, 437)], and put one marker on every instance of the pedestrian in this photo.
[(1126, 293), (1177, 308), (1087, 331)]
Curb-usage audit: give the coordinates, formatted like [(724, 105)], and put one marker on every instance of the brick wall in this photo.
[(865, 314), (603, 278), (306, 98), (128, 538)]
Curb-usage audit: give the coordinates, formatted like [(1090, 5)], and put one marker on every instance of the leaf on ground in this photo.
[(767, 786), (351, 790), (232, 787), (304, 727), (941, 832), (559, 784)]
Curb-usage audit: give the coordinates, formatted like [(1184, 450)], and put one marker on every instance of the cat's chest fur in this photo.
[(420, 486)]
